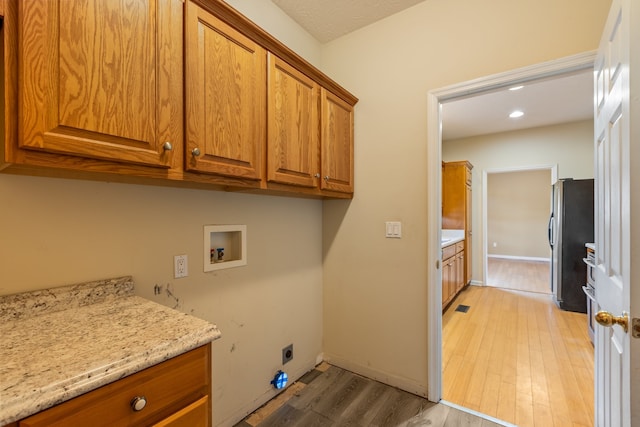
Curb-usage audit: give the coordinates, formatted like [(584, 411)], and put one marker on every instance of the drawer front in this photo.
[(448, 251), (194, 415), (459, 246), (168, 388)]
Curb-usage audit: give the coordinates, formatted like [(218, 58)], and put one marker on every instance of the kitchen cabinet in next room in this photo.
[(456, 205)]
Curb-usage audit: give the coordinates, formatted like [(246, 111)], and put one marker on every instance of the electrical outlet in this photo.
[(287, 354), (180, 267)]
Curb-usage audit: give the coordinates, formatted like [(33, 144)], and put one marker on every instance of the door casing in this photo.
[(435, 98)]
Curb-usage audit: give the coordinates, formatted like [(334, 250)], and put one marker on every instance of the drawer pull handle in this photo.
[(138, 403)]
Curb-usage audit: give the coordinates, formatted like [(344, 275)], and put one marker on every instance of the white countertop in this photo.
[(60, 343), (449, 237)]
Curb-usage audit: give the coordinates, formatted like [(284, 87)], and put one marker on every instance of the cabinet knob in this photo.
[(326, 177), (317, 175), (167, 146), (138, 403), (195, 152)]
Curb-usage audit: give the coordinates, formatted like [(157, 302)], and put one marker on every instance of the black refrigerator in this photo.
[(570, 227)]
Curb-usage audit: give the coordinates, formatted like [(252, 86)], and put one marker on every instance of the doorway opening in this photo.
[(515, 211), (436, 99)]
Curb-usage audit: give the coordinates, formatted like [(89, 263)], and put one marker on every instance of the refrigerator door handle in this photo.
[(550, 230)]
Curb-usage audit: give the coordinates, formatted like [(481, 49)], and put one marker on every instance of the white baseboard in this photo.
[(521, 258), (476, 283), (405, 384)]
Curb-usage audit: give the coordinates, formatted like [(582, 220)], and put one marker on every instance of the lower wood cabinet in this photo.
[(176, 393), (448, 279), (453, 272)]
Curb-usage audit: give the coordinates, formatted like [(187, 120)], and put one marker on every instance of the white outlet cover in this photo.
[(180, 266)]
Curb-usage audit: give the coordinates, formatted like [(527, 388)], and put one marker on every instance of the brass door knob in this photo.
[(605, 318)]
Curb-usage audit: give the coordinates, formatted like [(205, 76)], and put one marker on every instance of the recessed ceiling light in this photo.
[(516, 88), (516, 114)]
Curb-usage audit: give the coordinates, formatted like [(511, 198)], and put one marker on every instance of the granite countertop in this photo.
[(60, 343)]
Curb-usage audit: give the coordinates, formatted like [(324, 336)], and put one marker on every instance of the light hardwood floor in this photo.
[(531, 276), (517, 357), (330, 396)]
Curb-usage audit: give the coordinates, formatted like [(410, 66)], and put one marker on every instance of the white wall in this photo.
[(55, 232), (375, 289), (569, 145)]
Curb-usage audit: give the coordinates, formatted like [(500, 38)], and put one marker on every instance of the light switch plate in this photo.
[(393, 229)]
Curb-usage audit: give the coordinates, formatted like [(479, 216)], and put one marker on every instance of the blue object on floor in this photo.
[(280, 380)]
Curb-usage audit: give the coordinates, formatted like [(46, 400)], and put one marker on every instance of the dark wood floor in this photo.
[(330, 396)]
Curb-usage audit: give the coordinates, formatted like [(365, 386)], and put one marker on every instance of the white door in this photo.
[(617, 219)]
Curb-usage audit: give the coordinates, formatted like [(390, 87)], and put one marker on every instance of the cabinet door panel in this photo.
[(292, 149), (448, 280), (98, 78), (468, 234), (225, 98), (460, 267), (336, 143)]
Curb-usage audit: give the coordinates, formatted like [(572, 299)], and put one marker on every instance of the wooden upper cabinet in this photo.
[(186, 91), (293, 127), (225, 98), (101, 79), (336, 143)]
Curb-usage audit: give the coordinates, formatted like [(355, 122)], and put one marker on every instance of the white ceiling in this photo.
[(329, 19), (554, 101)]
